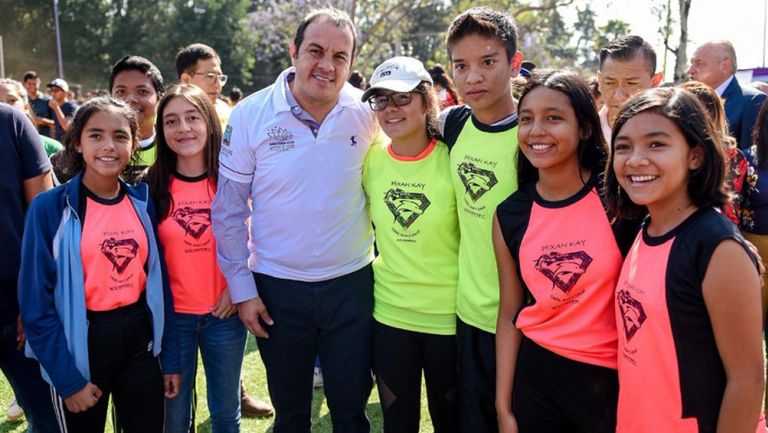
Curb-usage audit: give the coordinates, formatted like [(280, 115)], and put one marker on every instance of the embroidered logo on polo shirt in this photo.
[(563, 269), (406, 207), (194, 221), (120, 252), (476, 180), (632, 313), (282, 139)]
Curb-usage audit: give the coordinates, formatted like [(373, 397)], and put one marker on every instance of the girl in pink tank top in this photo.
[(558, 258), (688, 298)]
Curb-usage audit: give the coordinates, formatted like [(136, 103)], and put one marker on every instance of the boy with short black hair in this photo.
[(482, 47), (43, 114), (200, 64), (139, 82)]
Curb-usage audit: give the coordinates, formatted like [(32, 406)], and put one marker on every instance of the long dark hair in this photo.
[(431, 105), (591, 150), (159, 176), (705, 184), (71, 161)]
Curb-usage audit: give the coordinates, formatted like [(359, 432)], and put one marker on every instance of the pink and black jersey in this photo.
[(189, 247), (671, 376), (114, 251), (568, 259)]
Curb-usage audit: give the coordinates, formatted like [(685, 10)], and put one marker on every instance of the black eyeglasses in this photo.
[(379, 102)]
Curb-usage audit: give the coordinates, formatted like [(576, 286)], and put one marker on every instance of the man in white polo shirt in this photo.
[(303, 282)]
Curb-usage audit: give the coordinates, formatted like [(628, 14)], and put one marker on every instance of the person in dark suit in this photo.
[(714, 64)]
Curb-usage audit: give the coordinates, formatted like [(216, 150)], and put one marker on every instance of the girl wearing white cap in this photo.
[(407, 181)]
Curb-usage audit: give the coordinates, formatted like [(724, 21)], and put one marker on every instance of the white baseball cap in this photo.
[(398, 74), (60, 83)]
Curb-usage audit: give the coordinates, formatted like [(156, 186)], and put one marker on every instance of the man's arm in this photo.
[(228, 214), (35, 185), (35, 165), (63, 120), (42, 121), (39, 121)]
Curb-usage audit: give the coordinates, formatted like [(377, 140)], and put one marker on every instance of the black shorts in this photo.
[(554, 394)]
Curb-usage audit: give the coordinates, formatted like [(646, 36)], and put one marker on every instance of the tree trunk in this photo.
[(681, 62)]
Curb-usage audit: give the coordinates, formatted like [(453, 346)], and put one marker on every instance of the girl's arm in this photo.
[(37, 279), (731, 291), (508, 337)]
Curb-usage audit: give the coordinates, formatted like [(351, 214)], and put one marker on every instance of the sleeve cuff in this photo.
[(71, 389), (242, 288)]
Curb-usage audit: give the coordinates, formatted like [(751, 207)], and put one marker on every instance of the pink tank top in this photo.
[(671, 377), (568, 262)]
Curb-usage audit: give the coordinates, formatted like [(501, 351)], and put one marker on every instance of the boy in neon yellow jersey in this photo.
[(138, 82), (408, 185), (482, 46)]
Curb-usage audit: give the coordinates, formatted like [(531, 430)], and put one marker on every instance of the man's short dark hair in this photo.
[(356, 79), (187, 58), (138, 63), (235, 95), (486, 22), (30, 75), (625, 48), (336, 17)]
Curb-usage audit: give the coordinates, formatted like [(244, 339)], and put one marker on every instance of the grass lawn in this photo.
[(256, 384)]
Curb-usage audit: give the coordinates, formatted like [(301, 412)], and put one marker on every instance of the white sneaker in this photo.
[(317, 378), (14, 411)]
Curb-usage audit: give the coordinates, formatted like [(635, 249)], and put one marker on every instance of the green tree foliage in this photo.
[(253, 36), (96, 33)]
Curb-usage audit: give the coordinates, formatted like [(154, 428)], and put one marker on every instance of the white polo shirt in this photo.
[(310, 219)]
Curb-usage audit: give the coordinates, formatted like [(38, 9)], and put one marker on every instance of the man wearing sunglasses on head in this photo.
[(200, 65)]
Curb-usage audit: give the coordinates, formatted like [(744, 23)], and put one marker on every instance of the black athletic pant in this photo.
[(399, 357), (477, 379), (553, 394), (122, 364)]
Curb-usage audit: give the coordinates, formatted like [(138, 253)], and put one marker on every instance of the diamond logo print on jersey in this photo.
[(563, 269), (632, 313), (120, 252), (477, 181), (194, 221), (407, 207)]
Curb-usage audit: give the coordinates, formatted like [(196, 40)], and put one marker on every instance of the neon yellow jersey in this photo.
[(417, 234), (147, 156), (484, 175), (222, 111)]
